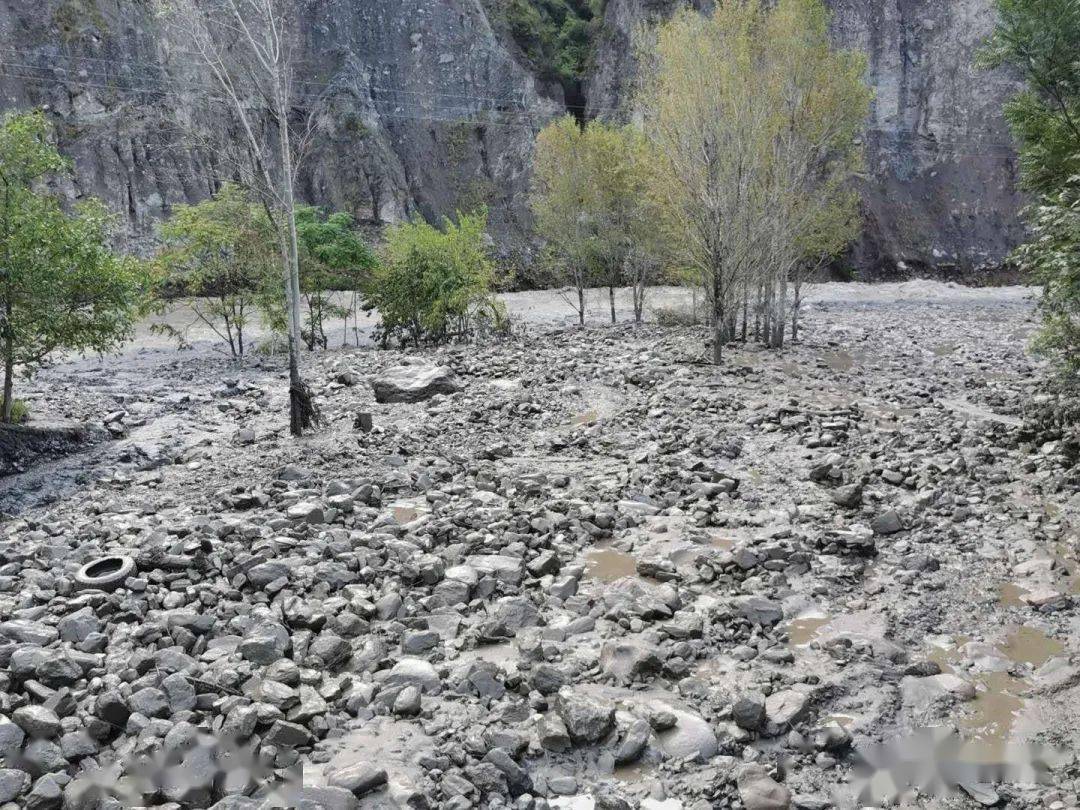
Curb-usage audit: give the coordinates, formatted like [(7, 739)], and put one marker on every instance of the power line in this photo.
[(459, 113)]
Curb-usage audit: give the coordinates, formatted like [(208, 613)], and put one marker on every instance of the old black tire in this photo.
[(105, 573)]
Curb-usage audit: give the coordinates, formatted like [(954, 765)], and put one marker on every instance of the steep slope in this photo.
[(428, 110), (434, 105), (940, 185)]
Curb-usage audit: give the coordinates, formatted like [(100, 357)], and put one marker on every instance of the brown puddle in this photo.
[(1012, 595), (804, 630), (723, 543), (405, 514), (839, 361), (634, 772), (588, 417), (945, 349), (1029, 645), (988, 721), (607, 564)]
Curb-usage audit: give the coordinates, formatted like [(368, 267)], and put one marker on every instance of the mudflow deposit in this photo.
[(570, 569)]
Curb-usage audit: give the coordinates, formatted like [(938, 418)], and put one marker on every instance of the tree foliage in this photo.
[(555, 35), (333, 257), (61, 287), (435, 284), (1053, 258), (1039, 39), (754, 120), (591, 196), (222, 253)]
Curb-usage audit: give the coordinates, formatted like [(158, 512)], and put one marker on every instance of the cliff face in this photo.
[(431, 110), (941, 171), (427, 109)]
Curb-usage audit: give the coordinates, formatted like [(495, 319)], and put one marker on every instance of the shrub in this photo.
[(222, 253), (333, 257), (62, 288), (435, 285), (20, 412)]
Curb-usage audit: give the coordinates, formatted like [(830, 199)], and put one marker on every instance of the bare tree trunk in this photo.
[(302, 410), (7, 404), (611, 299), (719, 324), (581, 304)]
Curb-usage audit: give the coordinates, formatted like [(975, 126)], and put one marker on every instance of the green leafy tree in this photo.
[(333, 258), (222, 254), (61, 287), (1052, 256), (591, 196), (435, 284), (754, 120), (1039, 39)]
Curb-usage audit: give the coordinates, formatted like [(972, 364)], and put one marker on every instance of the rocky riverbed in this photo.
[(593, 572)]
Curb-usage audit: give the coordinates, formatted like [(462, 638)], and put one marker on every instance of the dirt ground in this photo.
[(602, 574)]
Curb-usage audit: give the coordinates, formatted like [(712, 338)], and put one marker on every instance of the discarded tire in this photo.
[(105, 573)]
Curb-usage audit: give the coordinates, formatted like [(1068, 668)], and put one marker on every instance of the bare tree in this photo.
[(248, 47)]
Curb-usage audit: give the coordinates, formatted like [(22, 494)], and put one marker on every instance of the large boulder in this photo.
[(414, 383), (588, 718)]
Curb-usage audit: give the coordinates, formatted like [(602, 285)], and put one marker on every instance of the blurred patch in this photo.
[(937, 762)]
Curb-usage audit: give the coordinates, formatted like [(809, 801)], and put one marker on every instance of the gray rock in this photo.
[(552, 734), (633, 742), (180, 693), (407, 702), (629, 659), (37, 721), (759, 791), (887, 522), (749, 711), (588, 719), (358, 778), (414, 383), (287, 735), (12, 784), (414, 672), (78, 625), (784, 708), (266, 644), (149, 701), (760, 610)]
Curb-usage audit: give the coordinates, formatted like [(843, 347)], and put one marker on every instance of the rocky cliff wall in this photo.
[(939, 191), (432, 110)]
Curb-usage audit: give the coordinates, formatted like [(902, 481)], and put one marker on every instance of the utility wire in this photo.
[(459, 113)]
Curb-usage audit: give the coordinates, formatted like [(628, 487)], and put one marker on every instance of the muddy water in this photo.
[(607, 564), (1029, 645), (722, 543), (944, 349), (635, 772), (588, 417), (405, 514), (1012, 595), (839, 361), (989, 722), (803, 630)]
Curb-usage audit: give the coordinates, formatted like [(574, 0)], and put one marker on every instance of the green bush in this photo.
[(1052, 258), (435, 285), (20, 412), (556, 35)]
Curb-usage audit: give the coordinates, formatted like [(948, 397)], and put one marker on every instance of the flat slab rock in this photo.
[(414, 383)]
